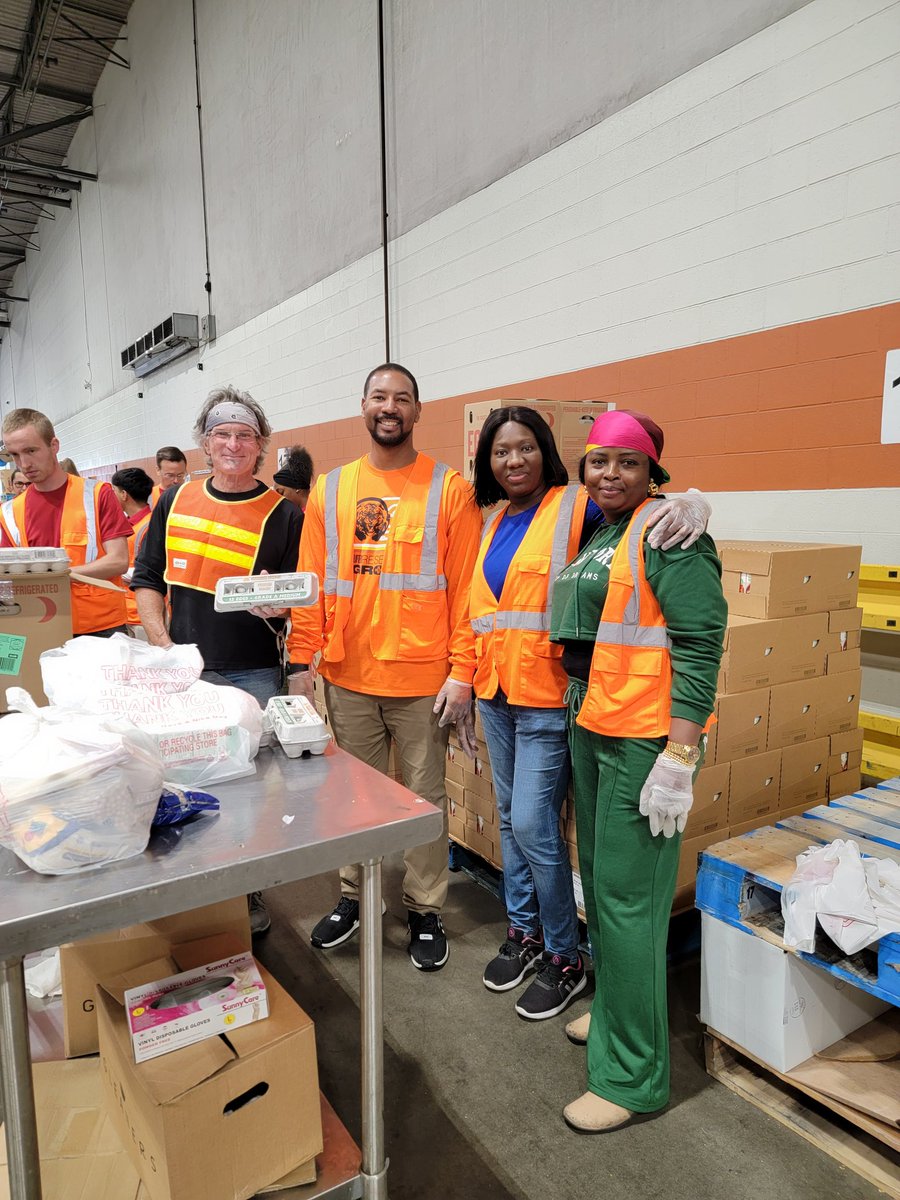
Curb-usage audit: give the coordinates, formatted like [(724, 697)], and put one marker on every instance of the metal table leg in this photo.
[(374, 1164), (17, 1085)]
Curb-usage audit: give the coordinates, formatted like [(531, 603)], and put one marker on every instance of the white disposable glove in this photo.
[(680, 520), (301, 684), (667, 796), (465, 731), (453, 702)]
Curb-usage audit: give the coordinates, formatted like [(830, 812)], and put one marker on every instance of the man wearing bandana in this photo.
[(226, 524)]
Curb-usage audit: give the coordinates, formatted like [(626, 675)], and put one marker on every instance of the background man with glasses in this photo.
[(171, 470)]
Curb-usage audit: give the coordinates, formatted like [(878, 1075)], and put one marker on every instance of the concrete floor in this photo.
[(473, 1094)]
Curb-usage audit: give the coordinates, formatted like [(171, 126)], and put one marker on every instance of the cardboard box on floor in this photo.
[(222, 1118), (35, 615), (788, 579), (83, 963)]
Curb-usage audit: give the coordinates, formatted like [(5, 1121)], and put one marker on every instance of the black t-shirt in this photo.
[(228, 641)]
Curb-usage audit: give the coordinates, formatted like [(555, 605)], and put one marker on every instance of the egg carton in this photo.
[(33, 560), (297, 725), (291, 589)]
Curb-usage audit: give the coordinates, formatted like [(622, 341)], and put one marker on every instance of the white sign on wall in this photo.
[(890, 410)]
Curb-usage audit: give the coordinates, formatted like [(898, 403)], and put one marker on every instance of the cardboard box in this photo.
[(754, 787), (455, 792), (475, 415), (478, 785), (742, 726), (804, 774), (845, 751), (185, 1008), (838, 710), (83, 963), (709, 812), (453, 772), (788, 579), (771, 1002), (221, 1118), (481, 845), (456, 827), (482, 764), (838, 661), (483, 805), (760, 653), (754, 823), (844, 629), (570, 421), (690, 851), (35, 615), (793, 711), (845, 783)]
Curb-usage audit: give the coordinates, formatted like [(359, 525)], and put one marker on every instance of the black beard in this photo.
[(390, 439)]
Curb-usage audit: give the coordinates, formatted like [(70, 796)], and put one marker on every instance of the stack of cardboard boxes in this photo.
[(570, 420), (472, 819)]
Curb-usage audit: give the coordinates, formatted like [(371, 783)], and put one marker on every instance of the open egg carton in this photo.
[(297, 725), (33, 560)]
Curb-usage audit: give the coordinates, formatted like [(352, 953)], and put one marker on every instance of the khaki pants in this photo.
[(364, 726)]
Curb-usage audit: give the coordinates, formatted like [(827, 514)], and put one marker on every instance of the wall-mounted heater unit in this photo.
[(174, 336)]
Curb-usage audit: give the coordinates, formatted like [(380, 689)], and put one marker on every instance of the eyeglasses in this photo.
[(244, 438)]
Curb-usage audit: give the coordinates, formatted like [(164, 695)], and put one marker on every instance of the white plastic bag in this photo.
[(76, 791), (205, 733), (856, 900)]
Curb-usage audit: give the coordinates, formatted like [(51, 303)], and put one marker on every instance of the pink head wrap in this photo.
[(627, 430)]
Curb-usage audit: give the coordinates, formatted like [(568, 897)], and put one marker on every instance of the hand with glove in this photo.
[(667, 796), (454, 703), (680, 520)]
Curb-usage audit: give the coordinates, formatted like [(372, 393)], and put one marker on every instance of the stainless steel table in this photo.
[(293, 819)]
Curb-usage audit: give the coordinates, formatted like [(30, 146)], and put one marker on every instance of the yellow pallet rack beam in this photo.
[(879, 596)]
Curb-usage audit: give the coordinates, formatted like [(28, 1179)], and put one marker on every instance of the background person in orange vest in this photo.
[(520, 685), (641, 631), (80, 515), (226, 524), (393, 538), (133, 487), (171, 469)]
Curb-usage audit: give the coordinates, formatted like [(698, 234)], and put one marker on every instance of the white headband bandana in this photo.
[(232, 413)]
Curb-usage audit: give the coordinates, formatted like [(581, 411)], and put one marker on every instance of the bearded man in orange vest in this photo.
[(393, 537), (82, 516)]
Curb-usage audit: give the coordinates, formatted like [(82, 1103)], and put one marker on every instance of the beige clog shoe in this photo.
[(593, 1114), (577, 1030)]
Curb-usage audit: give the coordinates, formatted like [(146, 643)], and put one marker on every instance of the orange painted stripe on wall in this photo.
[(793, 408)]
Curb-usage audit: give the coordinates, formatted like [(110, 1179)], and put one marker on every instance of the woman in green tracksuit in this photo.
[(642, 632)]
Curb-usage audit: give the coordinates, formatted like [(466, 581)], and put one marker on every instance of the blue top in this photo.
[(508, 538)]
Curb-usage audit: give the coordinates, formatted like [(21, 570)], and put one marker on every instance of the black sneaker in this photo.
[(338, 926), (518, 955), (428, 947), (558, 982), (260, 921)]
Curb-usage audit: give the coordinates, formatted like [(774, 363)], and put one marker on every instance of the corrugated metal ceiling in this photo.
[(52, 53)]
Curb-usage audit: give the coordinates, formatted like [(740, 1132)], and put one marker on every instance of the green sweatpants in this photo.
[(628, 878)]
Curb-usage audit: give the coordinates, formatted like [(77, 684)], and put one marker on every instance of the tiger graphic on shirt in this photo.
[(373, 521)]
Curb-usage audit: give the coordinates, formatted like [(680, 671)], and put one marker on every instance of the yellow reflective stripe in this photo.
[(205, 550), (216, 528)]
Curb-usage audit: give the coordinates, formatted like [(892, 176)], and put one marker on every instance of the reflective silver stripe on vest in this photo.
[(427, 578), (90, 516), (631, 632), (534, 622), (10, 523), (331, 582), (558, 554)]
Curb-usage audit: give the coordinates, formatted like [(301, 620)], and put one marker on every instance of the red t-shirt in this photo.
[(43, 516)]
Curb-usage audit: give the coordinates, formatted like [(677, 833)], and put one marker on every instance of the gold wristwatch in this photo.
[(688, 755)]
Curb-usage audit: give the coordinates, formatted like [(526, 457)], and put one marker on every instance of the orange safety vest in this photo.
[(629, 692), (155, 493), (512, 643), (93, 608), (411, 619), (208, 539), (134, 544)]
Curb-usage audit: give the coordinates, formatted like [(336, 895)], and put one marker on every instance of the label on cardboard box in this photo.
[(186, 1008), (12, 651)]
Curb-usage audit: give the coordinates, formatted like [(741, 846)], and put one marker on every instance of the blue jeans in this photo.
[(530, 762), (261, 682)]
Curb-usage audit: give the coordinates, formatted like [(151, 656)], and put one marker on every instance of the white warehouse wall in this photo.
[(756, 190)]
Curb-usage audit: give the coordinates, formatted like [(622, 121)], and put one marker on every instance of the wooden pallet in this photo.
[(858, 1142)]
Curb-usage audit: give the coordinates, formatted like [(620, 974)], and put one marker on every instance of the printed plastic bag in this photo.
[(76, 791), (205, 733)]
